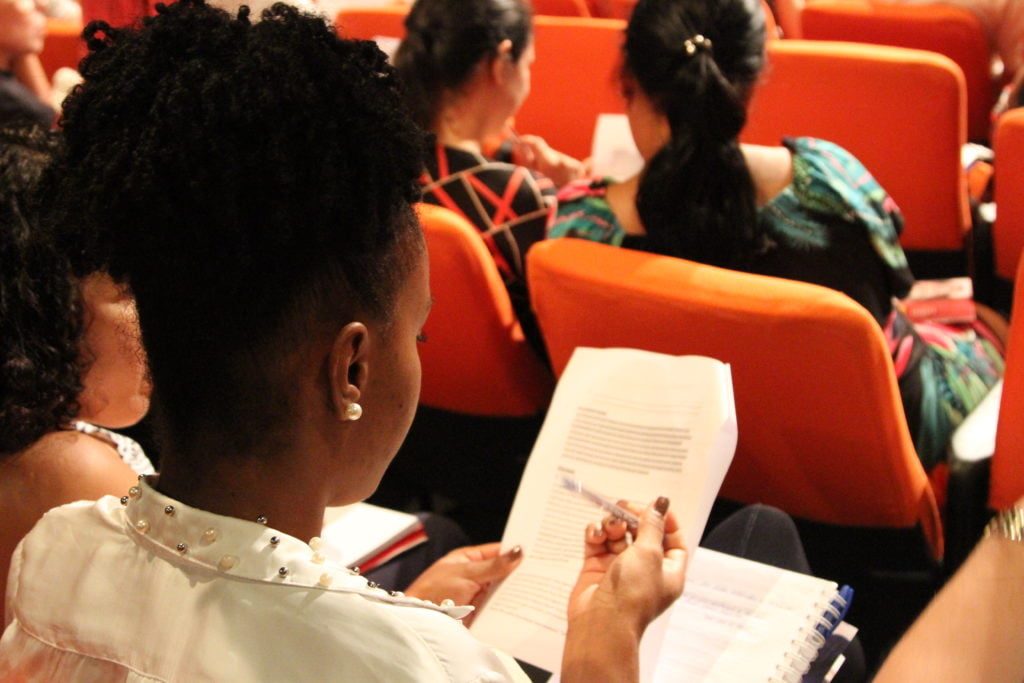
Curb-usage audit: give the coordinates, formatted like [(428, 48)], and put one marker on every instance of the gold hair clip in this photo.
[(697, 41)]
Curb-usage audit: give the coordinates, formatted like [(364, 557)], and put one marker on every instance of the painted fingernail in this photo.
[(515, 553), (661, 505), (594, 531)]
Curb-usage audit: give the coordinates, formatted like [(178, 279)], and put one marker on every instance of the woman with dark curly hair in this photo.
[(69, 359), (254, 182)]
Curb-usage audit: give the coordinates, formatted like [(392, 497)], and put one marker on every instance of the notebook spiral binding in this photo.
[(811, 638)]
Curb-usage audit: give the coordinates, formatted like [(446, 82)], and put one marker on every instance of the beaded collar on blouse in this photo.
[(244, 550)]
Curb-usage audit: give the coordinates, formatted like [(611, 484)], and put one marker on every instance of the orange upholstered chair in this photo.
[(484, 389), (63, 46), (621, 9), (900, 111), (1008, 231), (1007, 478), (771, 28), (574, 79), (788, 13), (822, 432), (366, 23), (561, 8), (952, 31), (615, 9), (476, 360)]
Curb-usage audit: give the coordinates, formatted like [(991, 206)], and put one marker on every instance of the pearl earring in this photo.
[(353, 411)]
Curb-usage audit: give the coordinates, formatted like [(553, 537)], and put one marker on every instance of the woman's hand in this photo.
[(622, 587), (639, 579), (534, 152), (464, 574)]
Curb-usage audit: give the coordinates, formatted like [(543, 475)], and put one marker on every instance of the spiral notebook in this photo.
[(740, 620)]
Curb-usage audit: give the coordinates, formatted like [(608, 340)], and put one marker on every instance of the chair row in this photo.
[(952, 31), (822, 429), (900, 111)]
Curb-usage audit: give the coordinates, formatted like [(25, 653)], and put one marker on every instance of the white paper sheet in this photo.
[(613, 153), (632, 425)]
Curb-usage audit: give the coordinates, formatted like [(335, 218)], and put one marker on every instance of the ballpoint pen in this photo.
[(576, 486)]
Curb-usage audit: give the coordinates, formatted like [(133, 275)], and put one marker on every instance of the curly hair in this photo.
[(251, 182), (40, 376)]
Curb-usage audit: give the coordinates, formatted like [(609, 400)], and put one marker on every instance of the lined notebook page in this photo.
[(738, 620)]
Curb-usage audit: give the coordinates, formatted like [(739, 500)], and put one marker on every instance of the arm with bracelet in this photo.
[(973, 629)]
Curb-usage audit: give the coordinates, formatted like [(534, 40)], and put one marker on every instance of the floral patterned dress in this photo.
[(835, 226)]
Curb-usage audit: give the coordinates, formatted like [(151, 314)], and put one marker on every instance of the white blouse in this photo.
[(149, 589)]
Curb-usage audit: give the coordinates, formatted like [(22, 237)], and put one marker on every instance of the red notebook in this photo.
[(941, 301)]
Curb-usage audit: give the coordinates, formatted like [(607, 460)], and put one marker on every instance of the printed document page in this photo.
[(630, 425)]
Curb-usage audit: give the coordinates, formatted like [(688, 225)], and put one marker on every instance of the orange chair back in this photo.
[(1008, 231), (822, 433), (900, 111), (561, 8), (575, 78), (63, 46), (475, 359), (771, 28), (952, 31), (366, 23), (615, 9), (787, 13), (1007, 479)]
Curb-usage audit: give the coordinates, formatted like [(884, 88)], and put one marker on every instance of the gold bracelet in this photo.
[(1009, 524)]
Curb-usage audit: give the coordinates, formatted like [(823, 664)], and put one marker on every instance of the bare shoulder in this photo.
[(65, 466), (622, 200), (59, 468), (771, 169)]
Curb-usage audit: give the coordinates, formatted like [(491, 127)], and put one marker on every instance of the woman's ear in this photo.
[(347, 369), (501, 61)]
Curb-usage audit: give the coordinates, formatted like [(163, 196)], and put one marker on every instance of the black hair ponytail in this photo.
[(697, 61)]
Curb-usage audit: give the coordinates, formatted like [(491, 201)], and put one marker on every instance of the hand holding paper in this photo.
[(622, 587), (534, 152), (464, 574), (629, 423), (640, 579)]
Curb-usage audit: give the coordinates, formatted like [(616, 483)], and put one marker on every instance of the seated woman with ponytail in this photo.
[(465, 67), (806, 210)]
